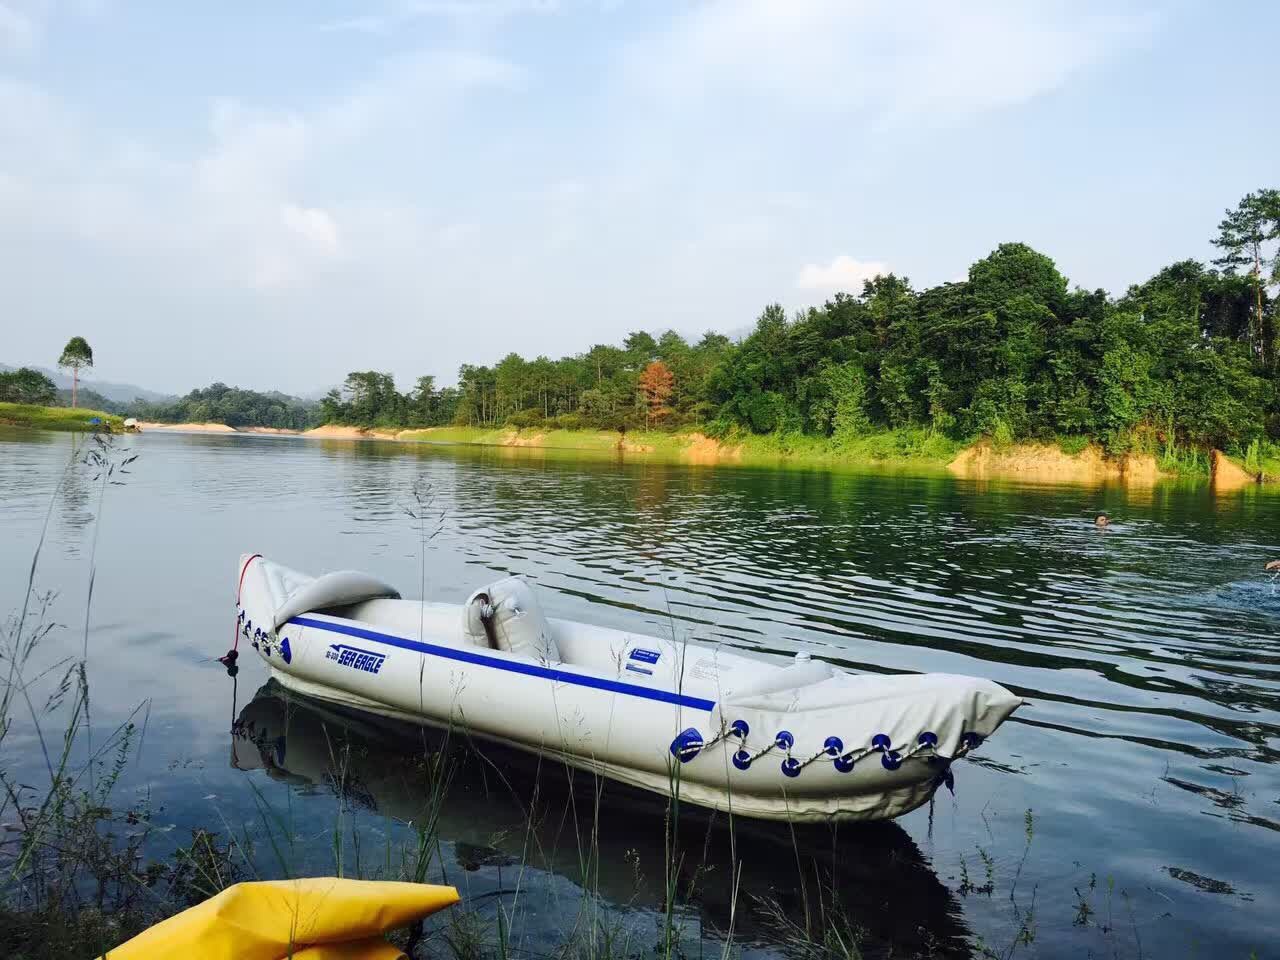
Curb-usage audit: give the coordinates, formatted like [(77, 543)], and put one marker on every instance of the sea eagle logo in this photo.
[(345, 655)]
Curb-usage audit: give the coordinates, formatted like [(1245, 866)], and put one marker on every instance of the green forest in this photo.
[(219, 403), (1014, 352)]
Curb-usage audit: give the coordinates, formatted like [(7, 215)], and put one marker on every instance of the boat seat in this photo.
[(506, 615), (787, 680), (296, 594)]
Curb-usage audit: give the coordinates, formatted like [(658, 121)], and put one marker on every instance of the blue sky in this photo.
[(272, 194)]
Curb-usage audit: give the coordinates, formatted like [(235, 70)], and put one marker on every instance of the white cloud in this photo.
[(23, 22), (252, 151), (36, 130), (314, 227), (370, 23), (843, 273), (470, 12), (254, 205), (18, 32), (935, 58), (287, 255)]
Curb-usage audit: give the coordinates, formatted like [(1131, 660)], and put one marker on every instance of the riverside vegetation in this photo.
[(1176, 366)]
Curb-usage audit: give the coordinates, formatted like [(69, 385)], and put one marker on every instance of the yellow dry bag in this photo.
[(321, 918)]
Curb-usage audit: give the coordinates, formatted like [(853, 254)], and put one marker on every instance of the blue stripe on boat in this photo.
[(511, 666)]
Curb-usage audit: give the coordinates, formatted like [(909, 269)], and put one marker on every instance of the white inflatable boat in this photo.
[(793, 741)]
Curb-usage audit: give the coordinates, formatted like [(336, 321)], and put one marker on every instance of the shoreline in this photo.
[(144, 426), (1032, 462), (149, 426)]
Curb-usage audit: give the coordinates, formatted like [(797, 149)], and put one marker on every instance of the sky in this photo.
[(272, 194)]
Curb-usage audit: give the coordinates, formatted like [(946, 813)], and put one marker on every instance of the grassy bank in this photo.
[(1073, 459), (510, 437), (1261, 460), (58, 418), (903, 447), (917, 448)]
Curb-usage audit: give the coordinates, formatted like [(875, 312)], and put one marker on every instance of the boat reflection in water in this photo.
[(503, 808)]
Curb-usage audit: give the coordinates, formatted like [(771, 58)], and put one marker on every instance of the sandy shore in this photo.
[(333, 432), (145, 425)]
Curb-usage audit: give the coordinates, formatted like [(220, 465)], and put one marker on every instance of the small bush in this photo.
[(1072, 445), (525, 418)]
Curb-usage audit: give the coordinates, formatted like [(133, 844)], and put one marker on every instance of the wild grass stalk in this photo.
[(67, 863)]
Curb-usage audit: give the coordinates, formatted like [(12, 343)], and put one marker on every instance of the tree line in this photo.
[(1012, 352), (647, 381), (234, 406)]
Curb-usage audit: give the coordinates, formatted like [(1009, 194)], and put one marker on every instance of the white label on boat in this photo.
[(705, 669)]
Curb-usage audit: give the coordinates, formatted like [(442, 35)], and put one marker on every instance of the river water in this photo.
[(1150, 652)]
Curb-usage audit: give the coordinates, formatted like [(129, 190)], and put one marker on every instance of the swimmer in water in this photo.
[(1272, 566), (1102, 520)]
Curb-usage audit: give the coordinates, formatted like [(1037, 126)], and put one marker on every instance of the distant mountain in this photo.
[(93, 400), (119, 392)]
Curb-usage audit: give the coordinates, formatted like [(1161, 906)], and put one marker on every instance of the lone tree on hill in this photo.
[(76, 354), (1244, 236)]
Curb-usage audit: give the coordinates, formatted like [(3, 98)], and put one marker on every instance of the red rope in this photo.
[(239, 588)]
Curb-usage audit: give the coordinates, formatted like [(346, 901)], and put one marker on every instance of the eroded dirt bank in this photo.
[(1046, 463), (1227, 475)]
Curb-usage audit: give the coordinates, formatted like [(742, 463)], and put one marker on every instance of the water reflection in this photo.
[(503, 808), (74, 508)]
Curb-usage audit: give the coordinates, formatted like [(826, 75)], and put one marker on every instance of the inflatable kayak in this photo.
[(797, 740)]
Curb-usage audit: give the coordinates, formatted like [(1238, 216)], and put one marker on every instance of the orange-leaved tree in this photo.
[(656, 383)]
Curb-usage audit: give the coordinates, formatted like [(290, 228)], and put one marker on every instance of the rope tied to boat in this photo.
[(229, 658), (689, 743)]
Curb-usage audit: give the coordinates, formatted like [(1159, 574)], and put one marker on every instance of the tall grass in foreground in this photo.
[(69, 864)]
